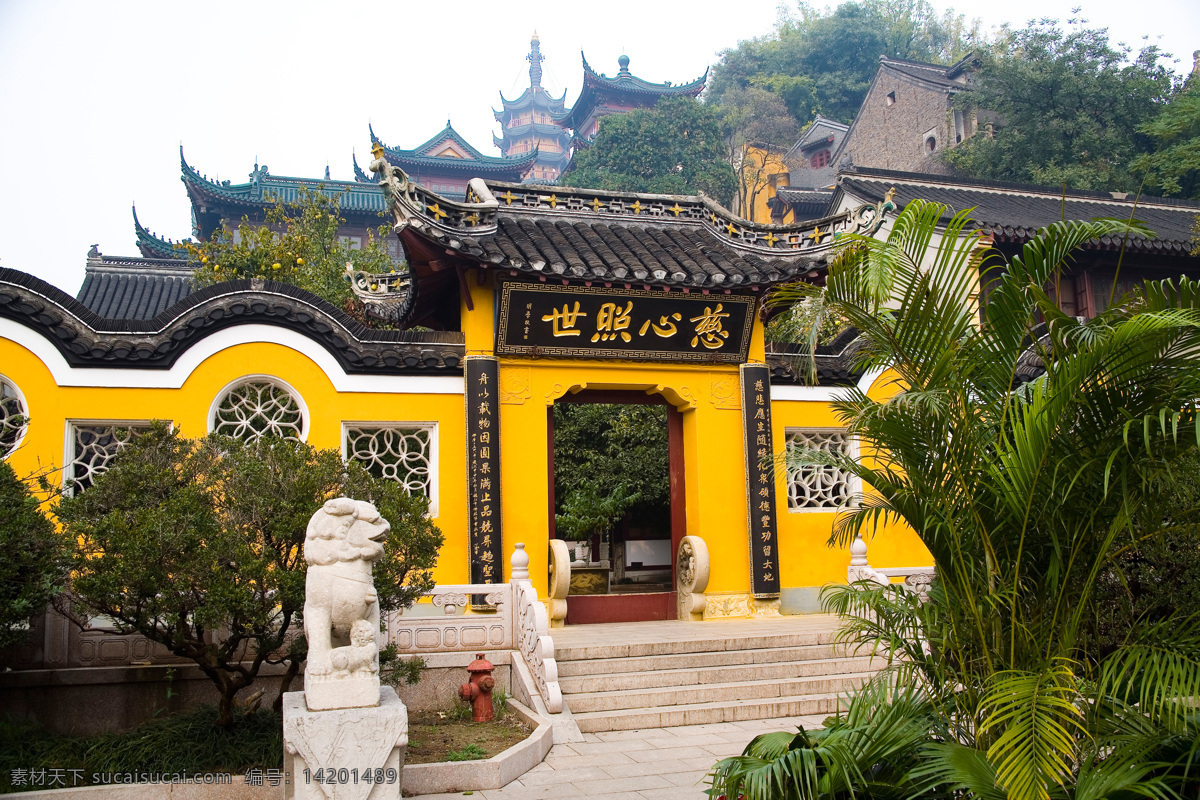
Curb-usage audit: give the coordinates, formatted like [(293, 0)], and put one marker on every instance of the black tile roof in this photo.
[(584, 235), (1014, 212), (86, 339), (133, 288)]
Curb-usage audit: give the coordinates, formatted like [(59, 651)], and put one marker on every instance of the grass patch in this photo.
[(469, 753), (186, 742), (452, 735)]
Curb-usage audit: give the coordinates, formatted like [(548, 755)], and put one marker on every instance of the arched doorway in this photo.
[(630, 598)]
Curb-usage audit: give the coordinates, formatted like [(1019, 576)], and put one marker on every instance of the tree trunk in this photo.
[(285, 684)]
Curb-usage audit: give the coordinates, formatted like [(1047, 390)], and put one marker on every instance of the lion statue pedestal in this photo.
[(343, 737)]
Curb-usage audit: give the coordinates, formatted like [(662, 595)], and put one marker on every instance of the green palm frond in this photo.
[(1038, 719)]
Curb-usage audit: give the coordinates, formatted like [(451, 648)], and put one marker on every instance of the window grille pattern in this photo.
[(256, 409), (817, 486), (93, 449), (395, 453), (13, 418)]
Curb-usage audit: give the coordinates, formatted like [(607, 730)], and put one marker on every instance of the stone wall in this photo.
[(896, 118), (89, 700)]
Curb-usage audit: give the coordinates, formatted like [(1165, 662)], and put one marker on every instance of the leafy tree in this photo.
[(36, 556), (617, 451), (1173, 168), (1069, 107), (197, 545), (674, 148), (824, 60), (758, 118), (590, 511), (1022, 450), (299, 244)]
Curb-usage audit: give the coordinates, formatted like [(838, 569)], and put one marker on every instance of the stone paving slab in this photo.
[(651, 764)]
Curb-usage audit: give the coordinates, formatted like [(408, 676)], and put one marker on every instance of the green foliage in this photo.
[(1070, 108), (590, 511), (1030, 453), (299, 245), (470, 752), (603, 450), (36, 556), (674, 148), (197, 545), (182, 743), (823, 61), (1173, 167), (757, 117), (395, 669), (805, 322)]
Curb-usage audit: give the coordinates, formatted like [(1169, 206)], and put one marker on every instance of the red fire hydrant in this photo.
[(478, 692)]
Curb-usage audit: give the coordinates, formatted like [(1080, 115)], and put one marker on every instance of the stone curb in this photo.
[(497, 771), (238, 790)]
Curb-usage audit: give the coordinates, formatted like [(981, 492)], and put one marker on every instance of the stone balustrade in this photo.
[(487, 616)]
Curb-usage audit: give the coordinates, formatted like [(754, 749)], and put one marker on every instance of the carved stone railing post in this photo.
[(860, 569), (691, 568), (532, 637), (519, 562), (560, 582)]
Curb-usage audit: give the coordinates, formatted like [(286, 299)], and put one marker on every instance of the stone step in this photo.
[(707, 676), (706, 713), (700, 644), (719, 658), (731, 692)]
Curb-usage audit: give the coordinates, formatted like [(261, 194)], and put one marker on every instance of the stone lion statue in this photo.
[(341, 608)]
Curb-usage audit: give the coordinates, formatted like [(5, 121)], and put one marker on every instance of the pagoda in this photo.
[(602, 96), (530, 123), (447, 161)]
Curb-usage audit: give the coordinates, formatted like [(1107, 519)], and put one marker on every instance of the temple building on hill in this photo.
[(907, 118), (447, 161), (215, 202), (602, 96), (530, 123)]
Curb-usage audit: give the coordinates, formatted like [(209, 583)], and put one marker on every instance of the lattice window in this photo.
[(820, 487), (14, 418), (257, 408), (403, 452), (93, 448)]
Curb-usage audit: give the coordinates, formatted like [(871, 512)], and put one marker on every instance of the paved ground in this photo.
[(658, 764)]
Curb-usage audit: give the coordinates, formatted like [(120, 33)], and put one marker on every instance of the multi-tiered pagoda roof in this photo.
[(530, 123), (214, 201), (602, 95), (445, 162)]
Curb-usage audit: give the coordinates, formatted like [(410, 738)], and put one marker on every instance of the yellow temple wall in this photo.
[(807, 561), (51, 406), (706, 395)]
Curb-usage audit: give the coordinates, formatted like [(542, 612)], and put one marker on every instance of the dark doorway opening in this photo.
[(616, 497)]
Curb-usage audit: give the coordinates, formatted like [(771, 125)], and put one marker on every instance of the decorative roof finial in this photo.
[(377, 149), (535, 59), (623, 63)]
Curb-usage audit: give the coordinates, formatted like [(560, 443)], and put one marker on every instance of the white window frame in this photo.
[(20, 440), (852, 482), (69, 454), (261, 378), (432, 427)]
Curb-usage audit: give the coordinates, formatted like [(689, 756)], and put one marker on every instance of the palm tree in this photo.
[(1021, 448)]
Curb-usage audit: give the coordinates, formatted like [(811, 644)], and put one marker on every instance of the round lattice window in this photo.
[(252, 409), (13, 418)]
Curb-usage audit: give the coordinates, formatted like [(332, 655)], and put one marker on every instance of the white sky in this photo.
[(96, 97)]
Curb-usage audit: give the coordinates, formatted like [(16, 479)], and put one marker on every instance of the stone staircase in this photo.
[(660, 674)]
